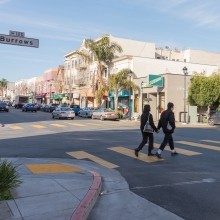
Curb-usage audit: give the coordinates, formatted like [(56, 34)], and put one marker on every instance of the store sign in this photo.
[(145, 85), (156, 80), (19, 39)]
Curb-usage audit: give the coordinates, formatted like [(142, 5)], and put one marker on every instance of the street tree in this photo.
[(120, 81), (204, 91), (3, 86), (100, 52)]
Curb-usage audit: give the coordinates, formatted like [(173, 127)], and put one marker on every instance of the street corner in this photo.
[(43, 168)]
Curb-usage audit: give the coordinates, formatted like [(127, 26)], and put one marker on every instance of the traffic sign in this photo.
[(155, 80), (17, 38)]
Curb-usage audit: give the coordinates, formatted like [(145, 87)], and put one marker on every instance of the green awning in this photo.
[(57, 96)]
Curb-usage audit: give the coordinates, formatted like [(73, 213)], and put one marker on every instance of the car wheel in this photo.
[(102, 118), (52, 116), (72, 118), (211, 122)]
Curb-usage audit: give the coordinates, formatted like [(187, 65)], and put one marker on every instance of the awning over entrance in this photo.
[(57, 96), (40, 96), (122, 93)]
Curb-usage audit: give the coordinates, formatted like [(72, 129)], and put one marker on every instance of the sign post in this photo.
[(19, 39)]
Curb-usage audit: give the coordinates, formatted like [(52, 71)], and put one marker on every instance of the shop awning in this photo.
[(57, 96)]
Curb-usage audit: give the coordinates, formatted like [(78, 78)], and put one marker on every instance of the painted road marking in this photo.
[(58, 125), (180, 150), (130, 153), (211, 141), (76, 124), (51, 168), (95, 124), (15, 127), (206, 146), (85, 155), (38, 126)]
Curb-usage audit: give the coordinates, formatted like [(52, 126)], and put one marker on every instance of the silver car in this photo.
[(86, 112), (63, 112), (105, 113)]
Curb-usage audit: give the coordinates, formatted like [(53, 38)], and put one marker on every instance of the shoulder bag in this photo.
[(147, 127)]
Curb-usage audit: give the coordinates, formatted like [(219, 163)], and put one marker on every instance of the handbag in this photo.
[(169, 127), (147, 127)]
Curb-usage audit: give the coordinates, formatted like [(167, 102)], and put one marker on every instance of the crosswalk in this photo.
[(125, 151), (58, 124)]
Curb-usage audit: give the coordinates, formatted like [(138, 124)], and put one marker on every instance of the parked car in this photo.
[(29, 107), (214, 118), (105, 113), (75, 108), (4, 107), (86, 112), (63, 112), (50, 107)]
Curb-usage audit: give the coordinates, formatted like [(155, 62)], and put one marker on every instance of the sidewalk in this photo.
[(68, 189)]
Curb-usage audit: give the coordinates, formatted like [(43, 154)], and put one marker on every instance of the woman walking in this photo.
[(146, 117)]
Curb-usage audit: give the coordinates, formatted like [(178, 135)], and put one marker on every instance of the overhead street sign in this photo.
[(17, 38), (156, 80)]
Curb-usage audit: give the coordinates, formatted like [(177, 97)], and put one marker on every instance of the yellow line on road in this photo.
[(211, 141), (130, 153), (76, 124), (38, 126), (180, 150), (206, 146), (58, 125), (84, 155), (95, 124), (15, 127)]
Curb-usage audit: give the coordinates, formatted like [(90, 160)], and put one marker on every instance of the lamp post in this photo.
[(50, 91), (184, 97), (129, 103), (142, 100)]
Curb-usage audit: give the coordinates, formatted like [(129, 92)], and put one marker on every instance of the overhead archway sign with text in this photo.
[(19, 39)]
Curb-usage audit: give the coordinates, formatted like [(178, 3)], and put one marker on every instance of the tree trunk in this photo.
[(116, 100)]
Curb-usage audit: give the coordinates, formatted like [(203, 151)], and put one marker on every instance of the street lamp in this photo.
[(142, 100), (184, 97), (129, 103)]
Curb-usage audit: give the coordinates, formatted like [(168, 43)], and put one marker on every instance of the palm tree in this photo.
[(3, 86), (101, 52), (120, 81)]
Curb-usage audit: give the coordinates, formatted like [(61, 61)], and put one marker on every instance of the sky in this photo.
[(61, 26)]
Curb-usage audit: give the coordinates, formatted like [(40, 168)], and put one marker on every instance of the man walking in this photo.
[(167, 122)]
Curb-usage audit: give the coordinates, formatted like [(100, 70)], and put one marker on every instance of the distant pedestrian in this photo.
[(167, 123), (146, 115)]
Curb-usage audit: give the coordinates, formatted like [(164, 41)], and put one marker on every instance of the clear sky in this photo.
[(61, 25)]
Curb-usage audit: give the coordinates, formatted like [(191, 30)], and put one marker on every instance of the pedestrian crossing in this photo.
[(126, 151), (59, 125)]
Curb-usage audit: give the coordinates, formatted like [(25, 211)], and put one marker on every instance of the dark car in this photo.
[(29, 107), (3, 107), (214, 118), (50, 107), (75, 108)]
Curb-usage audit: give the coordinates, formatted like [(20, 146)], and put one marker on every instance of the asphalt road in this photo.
[(187, 185)]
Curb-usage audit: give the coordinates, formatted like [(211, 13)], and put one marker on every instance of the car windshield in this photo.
[(66, 109), (2, 104)]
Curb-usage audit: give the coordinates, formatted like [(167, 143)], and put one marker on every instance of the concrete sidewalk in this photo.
[(68, 189)]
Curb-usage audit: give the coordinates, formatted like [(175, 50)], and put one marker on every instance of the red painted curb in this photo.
[(86, 205)]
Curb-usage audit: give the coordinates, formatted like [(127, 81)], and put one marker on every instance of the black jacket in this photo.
[(144, 119), (167, 116)]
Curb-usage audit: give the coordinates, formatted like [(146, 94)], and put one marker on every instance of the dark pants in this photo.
[(145, 137), (168, 138)]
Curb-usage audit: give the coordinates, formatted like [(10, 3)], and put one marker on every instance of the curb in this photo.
[(83, 209)]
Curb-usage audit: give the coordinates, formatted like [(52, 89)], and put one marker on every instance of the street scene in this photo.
[(109, 110), (185, 185)]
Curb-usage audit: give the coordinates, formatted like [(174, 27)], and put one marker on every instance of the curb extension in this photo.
[(83, 209)]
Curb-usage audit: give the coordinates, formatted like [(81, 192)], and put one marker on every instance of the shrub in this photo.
[(9, 179)]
